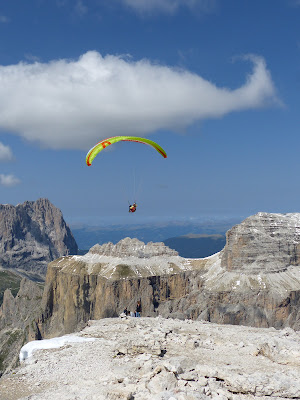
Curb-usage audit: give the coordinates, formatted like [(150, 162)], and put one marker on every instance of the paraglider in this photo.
[(94, 151), (132, 208), (107, 142)]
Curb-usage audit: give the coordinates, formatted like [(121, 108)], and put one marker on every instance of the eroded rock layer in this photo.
[(263, 243)]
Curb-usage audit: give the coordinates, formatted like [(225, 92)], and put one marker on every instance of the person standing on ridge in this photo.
[(138, 309)]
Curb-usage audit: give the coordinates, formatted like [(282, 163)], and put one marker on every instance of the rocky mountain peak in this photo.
[(133, 248), (129, 258), (31, 235), (264, 242)]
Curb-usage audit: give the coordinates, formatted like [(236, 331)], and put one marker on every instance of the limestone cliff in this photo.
[(18, 322), (263, 243), (254, 280), (31, 235), (105, 280)]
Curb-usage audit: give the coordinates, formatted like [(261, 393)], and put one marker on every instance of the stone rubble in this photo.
[(163, 359)]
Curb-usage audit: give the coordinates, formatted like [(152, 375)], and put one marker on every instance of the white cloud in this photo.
[(80, 8), (74, 103), (5, 153), (4, 19), (169, 6), (31, 58), (9, 180), (295, 3)]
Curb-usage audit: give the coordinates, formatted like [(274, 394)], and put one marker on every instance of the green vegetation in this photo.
[(9, 280), (13, 336), (3, 356), (8, 343), (124, 271)]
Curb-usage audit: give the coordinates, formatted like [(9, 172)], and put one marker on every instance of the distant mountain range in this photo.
[(185, 236)]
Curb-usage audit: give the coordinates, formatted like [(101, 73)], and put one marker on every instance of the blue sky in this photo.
[(216, 83)]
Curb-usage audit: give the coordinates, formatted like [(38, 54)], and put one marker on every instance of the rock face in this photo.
[(31, 235), (160, 359), (18, 322), (243, 284), (105, 280), (133, 248), (263, 243)]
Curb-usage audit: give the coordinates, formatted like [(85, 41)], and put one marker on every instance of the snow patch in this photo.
[(28, 349)]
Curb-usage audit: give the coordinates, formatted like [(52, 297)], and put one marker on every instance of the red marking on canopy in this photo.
[(105, 143)]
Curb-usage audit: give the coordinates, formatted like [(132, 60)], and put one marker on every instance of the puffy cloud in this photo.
[(5, 153), (74, 103), (9, 180), (169, 6)]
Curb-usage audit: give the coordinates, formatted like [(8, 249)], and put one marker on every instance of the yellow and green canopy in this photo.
[(107, 142)]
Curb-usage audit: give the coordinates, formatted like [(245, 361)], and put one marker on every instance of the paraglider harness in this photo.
[(132, 208)]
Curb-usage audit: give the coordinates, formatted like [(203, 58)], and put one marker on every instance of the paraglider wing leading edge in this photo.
[(107, 142)]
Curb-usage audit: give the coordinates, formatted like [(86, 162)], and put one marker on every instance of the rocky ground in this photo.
[(166, 359)]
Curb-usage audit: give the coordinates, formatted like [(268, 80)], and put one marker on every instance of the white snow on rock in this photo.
[(138, 258), (28, 349)]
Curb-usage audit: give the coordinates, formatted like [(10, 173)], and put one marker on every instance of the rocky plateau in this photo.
[(163, 359)]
